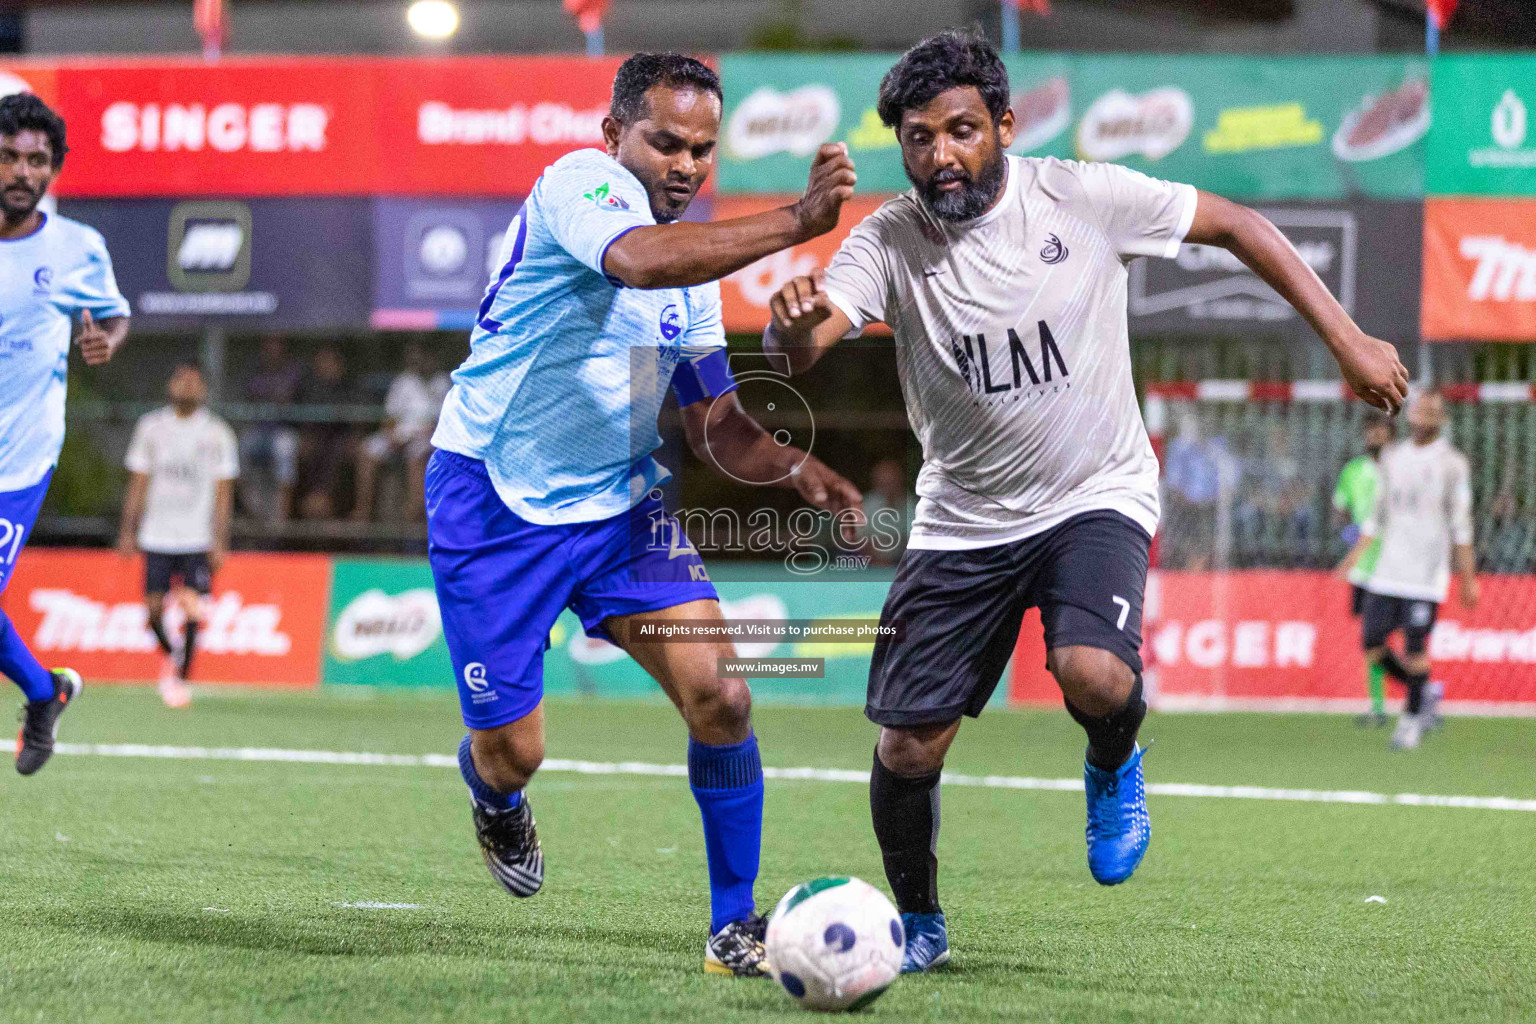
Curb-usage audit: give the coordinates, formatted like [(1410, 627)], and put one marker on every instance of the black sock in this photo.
[(1112, 738), (1416, 682), (157, 624), (188, 647), (1393, 666), (906, 814)]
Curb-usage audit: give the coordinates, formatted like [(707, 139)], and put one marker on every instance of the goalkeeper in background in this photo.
[(1354, 498)]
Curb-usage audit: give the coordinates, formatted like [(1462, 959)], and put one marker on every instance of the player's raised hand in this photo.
[(1374, 373), (95, 345), (800, 306), (830, 186)]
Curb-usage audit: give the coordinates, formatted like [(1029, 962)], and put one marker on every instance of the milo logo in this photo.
[(375, 623)]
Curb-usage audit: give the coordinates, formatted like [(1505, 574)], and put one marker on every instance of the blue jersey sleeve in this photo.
[(588, 203), (705, 369), (90, 283)]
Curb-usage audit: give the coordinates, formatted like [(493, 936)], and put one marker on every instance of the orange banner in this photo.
[(745, 294), (1281, 636), (1480, 270), (85, 609)]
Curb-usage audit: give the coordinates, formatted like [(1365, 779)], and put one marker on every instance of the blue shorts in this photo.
[(18, 511), (503, 581)]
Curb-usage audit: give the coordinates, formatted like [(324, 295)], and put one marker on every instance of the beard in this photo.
[(1374, 450), (974, 195), (17, 207)]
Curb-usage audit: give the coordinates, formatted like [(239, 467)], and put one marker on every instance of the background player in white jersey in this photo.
[(182, 466), (1004, 280), (52, 269), (543, 493), (1422, 520)]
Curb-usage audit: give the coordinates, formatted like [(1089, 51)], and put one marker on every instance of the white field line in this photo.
[(1312, 796)]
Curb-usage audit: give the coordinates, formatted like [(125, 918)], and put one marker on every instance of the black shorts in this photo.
[(1384, 615), (192, 570), (959, 613), (1357, 600)]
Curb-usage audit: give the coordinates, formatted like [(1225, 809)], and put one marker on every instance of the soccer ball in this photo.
[(835, 943)]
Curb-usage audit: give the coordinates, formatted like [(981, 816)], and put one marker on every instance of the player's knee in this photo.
[(909, 752), (155, 605), (719, 704), (505, 761), (1095, 682)]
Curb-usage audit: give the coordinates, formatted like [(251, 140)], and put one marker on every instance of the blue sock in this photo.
[(727, 782), (18, 663), (478, 788)]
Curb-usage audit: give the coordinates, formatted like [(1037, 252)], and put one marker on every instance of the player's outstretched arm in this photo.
[(804, 323), (721, 434), (1370, 366), (684, 254)]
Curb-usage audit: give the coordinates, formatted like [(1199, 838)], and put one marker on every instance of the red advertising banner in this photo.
[(317, 125), (1286, 638), (85, 609), (1480, 269), (745, 294)]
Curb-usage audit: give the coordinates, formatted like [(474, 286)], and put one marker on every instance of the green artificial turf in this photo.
[(1243, 911)]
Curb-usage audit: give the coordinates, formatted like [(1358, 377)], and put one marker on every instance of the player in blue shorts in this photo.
[(51, 268), (543, 494)]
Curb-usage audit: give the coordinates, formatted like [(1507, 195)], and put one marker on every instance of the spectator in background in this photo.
[(1192, 487), (269, 450), (1511, 545), (410, 415), (325, 447), (887, 494)]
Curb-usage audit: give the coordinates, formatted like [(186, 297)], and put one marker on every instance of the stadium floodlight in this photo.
[(433, 19)]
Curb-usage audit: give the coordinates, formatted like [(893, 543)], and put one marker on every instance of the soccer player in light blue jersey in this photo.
[(543, 493), (51, 270)]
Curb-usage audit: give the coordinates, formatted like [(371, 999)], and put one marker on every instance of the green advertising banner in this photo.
[(1484, 142), (384, 630), (1248, 127)]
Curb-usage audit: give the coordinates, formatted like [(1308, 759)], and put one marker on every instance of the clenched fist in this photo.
[(830, 186)]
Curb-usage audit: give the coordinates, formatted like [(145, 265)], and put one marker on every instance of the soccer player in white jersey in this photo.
[(1423, 520), (52, 269), (1004, 280), (543, 493), (182, 466)]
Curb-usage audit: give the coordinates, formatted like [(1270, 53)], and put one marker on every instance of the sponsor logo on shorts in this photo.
[(474, 677)]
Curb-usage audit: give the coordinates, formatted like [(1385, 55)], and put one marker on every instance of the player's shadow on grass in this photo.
[(373, 934)]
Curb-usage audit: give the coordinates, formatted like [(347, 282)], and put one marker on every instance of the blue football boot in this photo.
[(927, 942), (1118, 826)]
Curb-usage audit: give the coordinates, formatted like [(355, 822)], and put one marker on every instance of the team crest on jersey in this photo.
[(671, 325), (605, 198), (1054, 252), (42, 281)]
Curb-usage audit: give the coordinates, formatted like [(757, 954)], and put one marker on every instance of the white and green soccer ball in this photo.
[(835, 943)]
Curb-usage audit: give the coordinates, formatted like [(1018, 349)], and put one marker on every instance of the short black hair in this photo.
[(643, 70), (23, 111), (952, 59)]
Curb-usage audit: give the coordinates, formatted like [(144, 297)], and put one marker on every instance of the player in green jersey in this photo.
[(1353, 499)]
